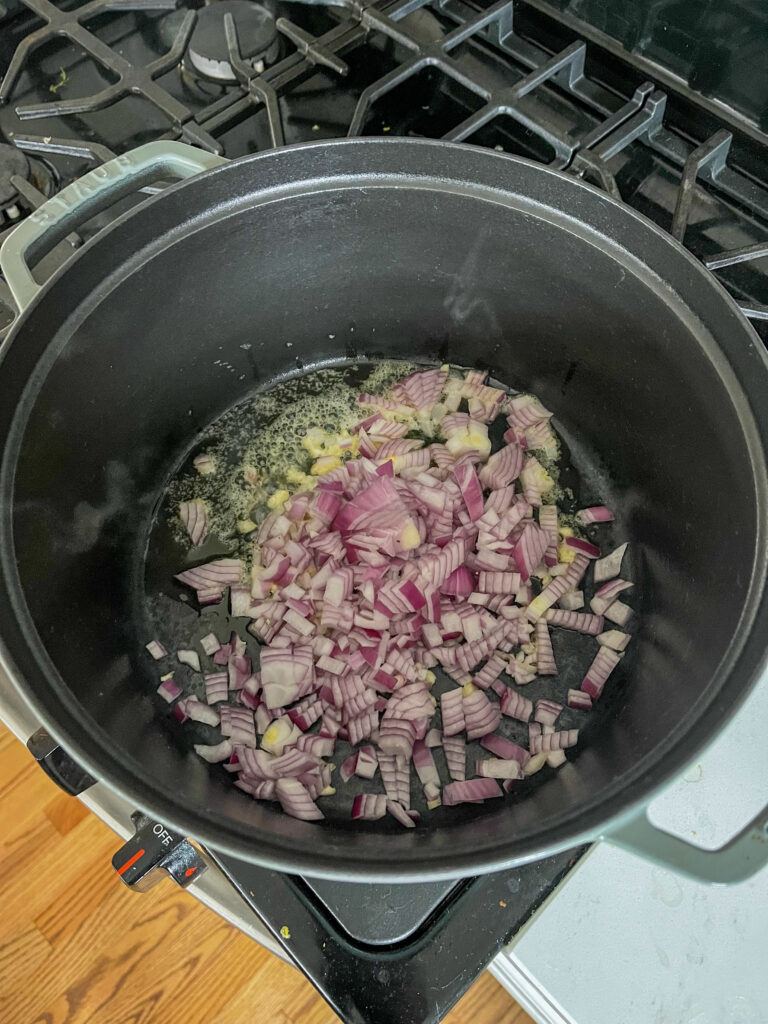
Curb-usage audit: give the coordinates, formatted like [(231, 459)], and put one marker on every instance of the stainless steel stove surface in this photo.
[(83, 82)]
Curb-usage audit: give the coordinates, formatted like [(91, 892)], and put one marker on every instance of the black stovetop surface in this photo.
[(396, 954), (82, 82)]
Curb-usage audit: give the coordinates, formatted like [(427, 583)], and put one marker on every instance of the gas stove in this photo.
[(631, 98)]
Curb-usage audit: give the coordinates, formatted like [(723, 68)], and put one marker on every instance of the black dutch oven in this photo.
[(361, 250)]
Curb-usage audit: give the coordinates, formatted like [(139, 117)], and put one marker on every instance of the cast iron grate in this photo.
[(505, 85)]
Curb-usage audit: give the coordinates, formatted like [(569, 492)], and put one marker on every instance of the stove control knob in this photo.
[(155, 852)]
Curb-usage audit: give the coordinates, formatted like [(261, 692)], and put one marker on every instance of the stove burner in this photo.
[(208, 54), (24, 183)]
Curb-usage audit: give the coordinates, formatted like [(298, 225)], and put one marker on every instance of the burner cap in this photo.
[(256, 31), (12, 162)]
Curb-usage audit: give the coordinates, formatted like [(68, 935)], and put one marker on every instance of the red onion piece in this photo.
[(610, 566), (210, 644), (205, 464), (502, 468), (191, 658), (545, 657), (454, 748), (194, 517), (216, 752), (596, 514), (607, 594), (546, 711), (169, 689), (525, 410), (614, 639), (296, 801), (619, 613), (581, 622), (495, 768), (470, 791), (452, 709), (584, 547), (604, 663), (369, 806), (579, 701), (471, 491), (516, 706), (221, 573), (400, 814), (505, 749), (572, 601), (216, 686), (156, 649)]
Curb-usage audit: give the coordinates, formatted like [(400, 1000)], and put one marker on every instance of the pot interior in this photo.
[(239, 298)]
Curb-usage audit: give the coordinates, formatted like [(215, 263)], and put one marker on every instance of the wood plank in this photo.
[(64, 813), (77, 947)]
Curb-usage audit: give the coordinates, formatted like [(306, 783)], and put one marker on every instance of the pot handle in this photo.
[(93, 192), (740, 858)]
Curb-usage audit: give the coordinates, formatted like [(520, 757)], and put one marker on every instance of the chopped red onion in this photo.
[(480, 715), (572, 601), (204, 463), (607, 594), (495, 768), (400, 814), (614, 639), (582, 622), (549, 741), (216, 575), (525, 410), (470, 791), (398, 562), (296, 801), (584, 547), (545, 657), (579, 701), (168, 689), (619, 613), (546, 711), (471, 490), (369, 806), (502, 468), (505, 749), (156, 649), (605, 662), (191, 658), (216, 752), (610, 566), (199, 712), (194, 517), (433, 738), (559, 586), (516, 706), (596, 514), (216, 686), (454, 748), (452, 709)]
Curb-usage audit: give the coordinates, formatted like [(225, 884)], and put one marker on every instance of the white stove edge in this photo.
[(545, 968), (621, 940)]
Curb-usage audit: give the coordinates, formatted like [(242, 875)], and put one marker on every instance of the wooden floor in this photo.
[(76, 947)]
